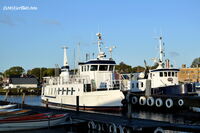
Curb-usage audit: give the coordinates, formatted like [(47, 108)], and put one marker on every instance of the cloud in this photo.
[(174, 54), (7, 20), (52, 22)]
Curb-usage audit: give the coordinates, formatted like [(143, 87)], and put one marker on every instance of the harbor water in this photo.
[(36, 100)]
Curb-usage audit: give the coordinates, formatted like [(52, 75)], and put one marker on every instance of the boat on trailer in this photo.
[(94, 83), (28, 122)]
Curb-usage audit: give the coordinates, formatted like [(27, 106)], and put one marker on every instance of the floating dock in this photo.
[(115, 123)]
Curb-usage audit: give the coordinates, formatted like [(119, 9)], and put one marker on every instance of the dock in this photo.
[(105, 122)]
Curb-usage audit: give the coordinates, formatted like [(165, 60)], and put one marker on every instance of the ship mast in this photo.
[(65, 61), (161, 49), (101, 54), (161, 53)]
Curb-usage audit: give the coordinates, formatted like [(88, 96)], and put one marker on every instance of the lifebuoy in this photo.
[(180, 102), (134, 100), (98, 126), (159, 130), (142, 100), (125, 130), (91, 125), (159, 102), (105, 127), (112, 128), (120, 129), (150, 101), (169, 103)]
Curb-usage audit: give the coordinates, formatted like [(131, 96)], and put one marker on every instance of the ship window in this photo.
[(54, 90), (82, 68), (172, 74), (111, 68), (142, 84), (93, 67), (88, 67), (103, 67), (169, 74), (165, 74), (161, 74), (132, 85), (63, 91), (67, 91), (175, 74), (58, 91), (72, 91)]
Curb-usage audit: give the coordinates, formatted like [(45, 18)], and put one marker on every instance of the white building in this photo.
[(21, 82)]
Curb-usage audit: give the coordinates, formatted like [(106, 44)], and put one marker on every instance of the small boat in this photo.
[(9, 106), (13, 112), (28, 122)]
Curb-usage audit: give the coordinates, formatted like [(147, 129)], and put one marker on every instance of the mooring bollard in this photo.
[(23, 98), (6, 97), (77, 103), (47, 103), (129, 115)]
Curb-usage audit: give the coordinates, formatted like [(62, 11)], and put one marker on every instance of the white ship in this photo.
[(160, 81), (94, 83)]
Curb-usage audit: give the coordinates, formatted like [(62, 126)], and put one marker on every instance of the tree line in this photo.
[(42, 72), (36, 72)]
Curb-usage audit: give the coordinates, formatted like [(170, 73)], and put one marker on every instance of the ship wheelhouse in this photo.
[(100, 74), (163, 77)]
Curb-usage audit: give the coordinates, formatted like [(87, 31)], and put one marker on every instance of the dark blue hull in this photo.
[(183, 89)]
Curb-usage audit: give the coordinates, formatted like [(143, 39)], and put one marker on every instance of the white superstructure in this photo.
[(94, 83)]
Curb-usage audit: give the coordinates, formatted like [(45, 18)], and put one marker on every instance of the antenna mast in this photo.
[(161, 49), (101, 54), (65, 61)]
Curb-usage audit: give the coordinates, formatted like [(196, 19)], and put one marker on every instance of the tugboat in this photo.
[(94, 83), (160, 81)]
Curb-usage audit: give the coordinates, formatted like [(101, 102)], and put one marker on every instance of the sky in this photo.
[(34, 37)]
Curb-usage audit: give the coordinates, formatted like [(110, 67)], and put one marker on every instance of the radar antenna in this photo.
[(110, 49)]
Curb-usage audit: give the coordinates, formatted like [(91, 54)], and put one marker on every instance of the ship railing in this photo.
[(76, 79)]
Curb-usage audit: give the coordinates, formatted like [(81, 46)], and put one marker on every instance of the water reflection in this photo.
[(157, 116)]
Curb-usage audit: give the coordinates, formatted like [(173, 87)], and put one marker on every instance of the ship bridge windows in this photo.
[(103, 67), (165, 74), (161, 74), (88, 67), (168, 74), (94, 68), (111, 67)]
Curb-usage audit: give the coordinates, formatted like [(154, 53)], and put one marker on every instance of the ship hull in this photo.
[(109, 100)]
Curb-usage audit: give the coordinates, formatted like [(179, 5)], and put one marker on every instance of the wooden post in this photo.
[(6, 97), (129, 115), (77, 103), (47, 103), (23, 98)]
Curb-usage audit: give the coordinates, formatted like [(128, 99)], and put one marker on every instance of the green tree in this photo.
[(37, 72), (138, 69), (123, 68), (49, 72), (14, 71), (196, 62)]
